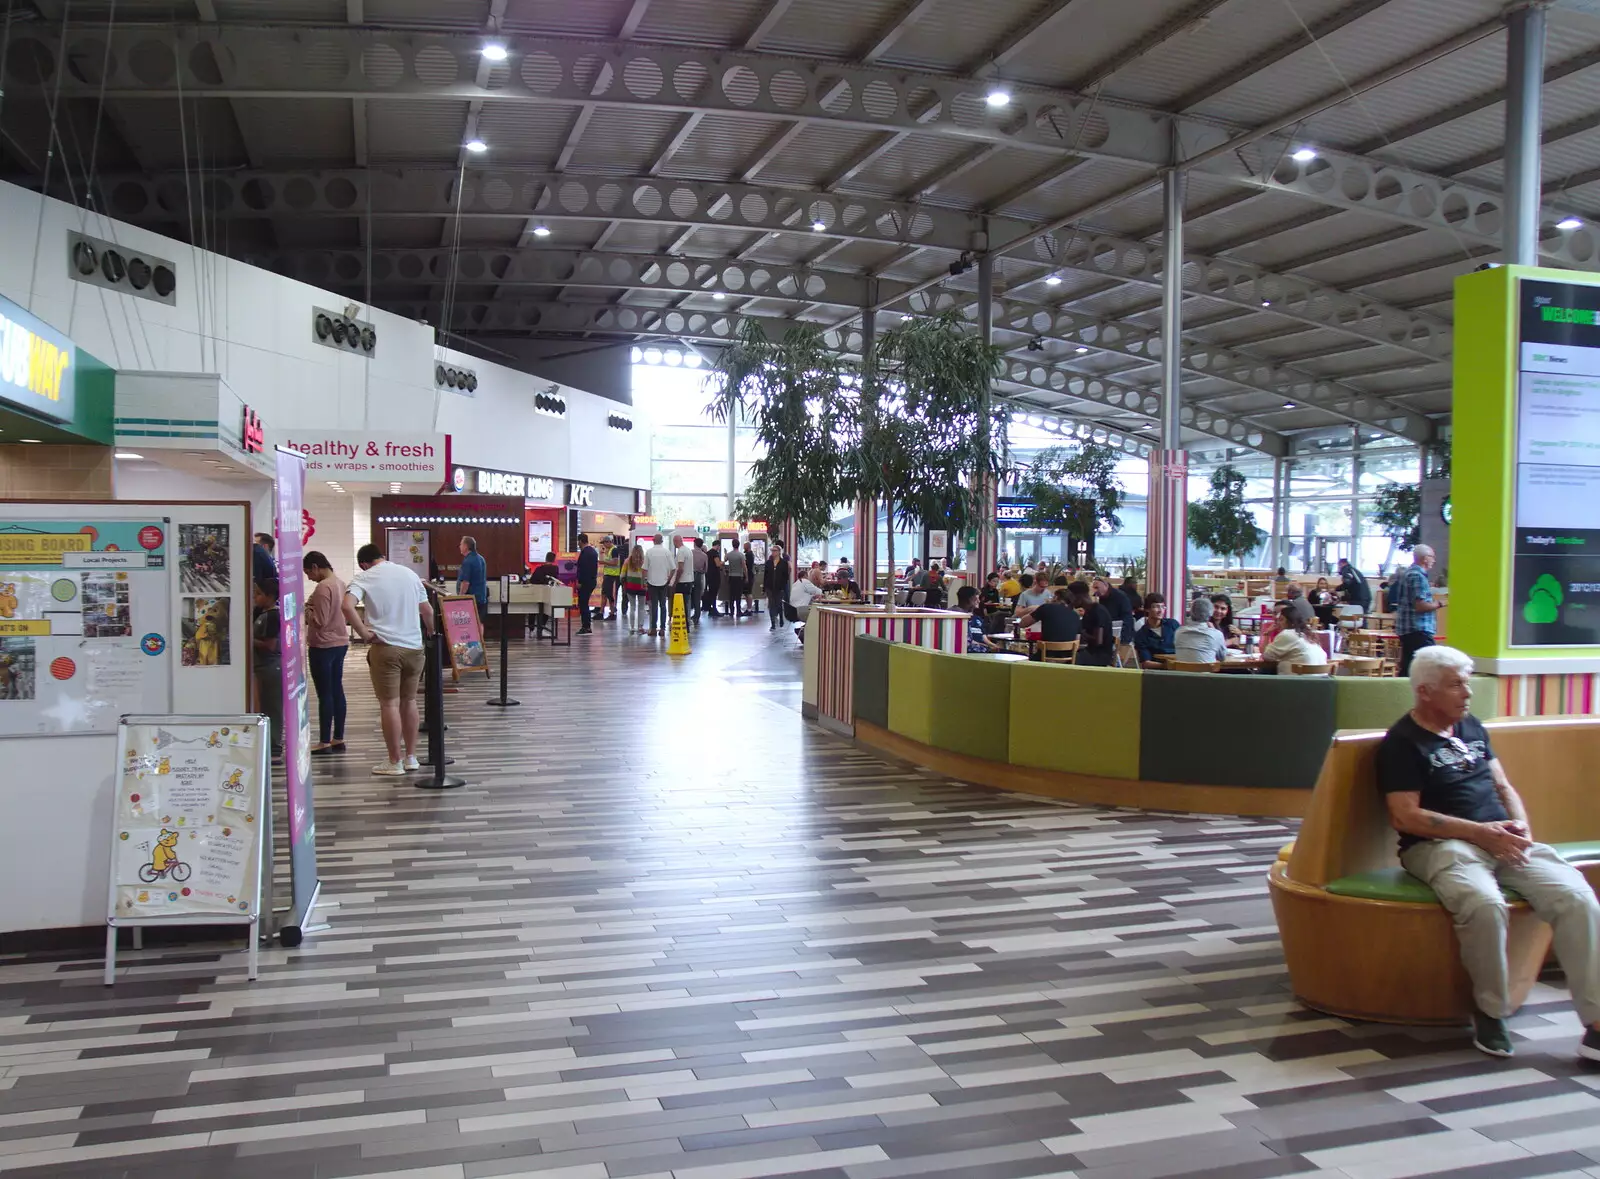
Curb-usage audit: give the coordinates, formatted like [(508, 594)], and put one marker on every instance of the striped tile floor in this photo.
[(667, 929)]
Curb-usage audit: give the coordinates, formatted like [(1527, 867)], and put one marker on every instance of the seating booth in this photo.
[(1364, 938)]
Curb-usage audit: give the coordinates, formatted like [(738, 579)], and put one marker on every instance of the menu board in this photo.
[(463, 634), (186, 837), (409, 547), (84, 619), (1556, 548)]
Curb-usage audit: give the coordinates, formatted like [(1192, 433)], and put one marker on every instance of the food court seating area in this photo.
[(1162, 740), (1364, 938)]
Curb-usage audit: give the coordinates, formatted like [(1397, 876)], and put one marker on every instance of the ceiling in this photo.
[(663, 168)]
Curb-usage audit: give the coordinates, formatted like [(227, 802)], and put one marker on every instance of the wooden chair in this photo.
[(1058, 652), (1177, 665), (1380, 621), (1305, 669), (917, 597), (1362, 666)]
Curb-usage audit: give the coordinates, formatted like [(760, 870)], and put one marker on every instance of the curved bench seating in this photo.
[(1364, 938)]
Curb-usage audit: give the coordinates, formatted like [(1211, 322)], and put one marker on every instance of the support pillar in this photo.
[(866, 547), (985, 554), (1525, 45), (1277, 548), (1167, 548)]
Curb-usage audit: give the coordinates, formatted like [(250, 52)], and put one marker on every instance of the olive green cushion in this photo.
[(1081, 720), (1376, 702), (970, 708), (911, 692), (1390, 884)]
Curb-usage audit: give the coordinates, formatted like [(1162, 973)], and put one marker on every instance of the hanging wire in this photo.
[(50, 152), (448, 308)]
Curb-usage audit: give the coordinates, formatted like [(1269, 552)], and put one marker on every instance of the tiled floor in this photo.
[(667, 929)]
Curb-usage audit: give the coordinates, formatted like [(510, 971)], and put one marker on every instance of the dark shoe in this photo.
[(1589, 1046), (586, 631), (1491, 1036)]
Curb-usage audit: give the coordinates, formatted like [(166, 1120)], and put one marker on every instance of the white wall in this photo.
[(253, 329)]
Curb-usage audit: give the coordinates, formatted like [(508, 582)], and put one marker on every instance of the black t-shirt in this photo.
[(1451, 773), (1119, 609), (1058, 622), (1098, 618)]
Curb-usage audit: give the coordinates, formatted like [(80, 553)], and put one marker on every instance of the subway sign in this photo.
[(36, 372)]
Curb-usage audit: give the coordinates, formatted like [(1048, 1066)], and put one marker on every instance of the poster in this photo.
[(464, 635), (409, 547), (178, 847), (290, 502), (938, 544), (203, 559), (206, 630), (84, 618)]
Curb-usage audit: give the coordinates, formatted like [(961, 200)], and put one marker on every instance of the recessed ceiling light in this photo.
[(494, 51), (127, 454), (819, 226), (1570, 223), (330, 483), (1053, 281), (1304, 156), (999, 96), (541, 230), (476, 146)]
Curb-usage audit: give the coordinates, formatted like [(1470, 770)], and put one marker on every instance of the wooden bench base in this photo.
[(1389, 962)]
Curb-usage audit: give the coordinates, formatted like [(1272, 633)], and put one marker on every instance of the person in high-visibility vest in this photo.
[(610, 574)]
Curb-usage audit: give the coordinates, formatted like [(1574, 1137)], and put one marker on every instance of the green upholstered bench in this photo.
[(1396, 884)]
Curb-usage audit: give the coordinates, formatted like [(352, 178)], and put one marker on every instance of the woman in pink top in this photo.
[(327, 641)]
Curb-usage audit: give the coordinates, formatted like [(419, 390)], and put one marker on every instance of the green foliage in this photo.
[(1397, 513), (1137, 568), (789, 391), (1074, 491), (1221, 523)]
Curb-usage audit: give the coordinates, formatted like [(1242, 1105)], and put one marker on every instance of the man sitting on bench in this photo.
[(1464, 832)]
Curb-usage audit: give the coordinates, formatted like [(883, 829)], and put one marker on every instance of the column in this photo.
[(733, 423), (986, 549), (866, 548), (1525, 41), (1278, 545), (1167, 545)]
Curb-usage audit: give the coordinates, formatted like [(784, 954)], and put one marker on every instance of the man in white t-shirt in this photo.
[(397, 614), (685, 585), (660, 574)]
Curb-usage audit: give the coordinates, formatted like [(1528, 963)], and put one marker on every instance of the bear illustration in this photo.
[(8, 600), (164, 855)]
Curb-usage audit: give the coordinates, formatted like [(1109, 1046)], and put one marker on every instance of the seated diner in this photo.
[(1033, 593), (1197, 641), (1098, 643), (978, 641), (1054, 619), (1464, 832), (1157, 634), (1222, 620), (1292, 645)]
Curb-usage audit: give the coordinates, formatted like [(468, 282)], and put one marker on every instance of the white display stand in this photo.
[(192, 828), (64, 767)]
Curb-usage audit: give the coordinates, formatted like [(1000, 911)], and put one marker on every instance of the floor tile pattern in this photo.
[(669, 930)]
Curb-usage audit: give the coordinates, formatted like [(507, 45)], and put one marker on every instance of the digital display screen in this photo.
[(1556, 548)]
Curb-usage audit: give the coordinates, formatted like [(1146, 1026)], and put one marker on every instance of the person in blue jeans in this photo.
[(473, 576), (327, 643)]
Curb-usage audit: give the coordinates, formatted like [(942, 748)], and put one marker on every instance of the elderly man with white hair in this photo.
[(1415, 612), (1464, 832)]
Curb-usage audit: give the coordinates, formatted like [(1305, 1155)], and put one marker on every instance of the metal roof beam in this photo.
[(510, 268), (901, 24), (546, 196), (1197, 12), (1018, 39)]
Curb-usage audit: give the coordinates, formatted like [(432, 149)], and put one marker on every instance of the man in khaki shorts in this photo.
[(397, 615)]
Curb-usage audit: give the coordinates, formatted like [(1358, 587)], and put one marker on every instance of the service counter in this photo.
[(1172, 741)]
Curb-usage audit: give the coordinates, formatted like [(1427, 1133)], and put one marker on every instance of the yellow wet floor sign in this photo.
[(678, 632)]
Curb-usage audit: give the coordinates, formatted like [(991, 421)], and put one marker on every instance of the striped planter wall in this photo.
[(836, 634), (1167, 546), (866, 551), (1548, 695)]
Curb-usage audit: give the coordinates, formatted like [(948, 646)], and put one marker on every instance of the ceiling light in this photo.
[(1288, 405), (1082, 350), (31, 440), (1304, 156), (1570, 223), (476, 145), (330, 483), (718, 295), (999, 96), (127, 454), (1053, 281), (819, 226), (495, 52), (541, 230), (1266, 302), (906, 318)]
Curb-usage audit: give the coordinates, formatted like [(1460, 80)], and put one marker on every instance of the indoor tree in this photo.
[(928, 434), (789, 390), (1397, 514), (1221, 523), (1074, 491)]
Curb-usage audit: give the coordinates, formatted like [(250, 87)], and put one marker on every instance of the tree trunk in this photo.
[(888, 514)]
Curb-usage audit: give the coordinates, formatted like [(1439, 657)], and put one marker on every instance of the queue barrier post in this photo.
[(503, 700)]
